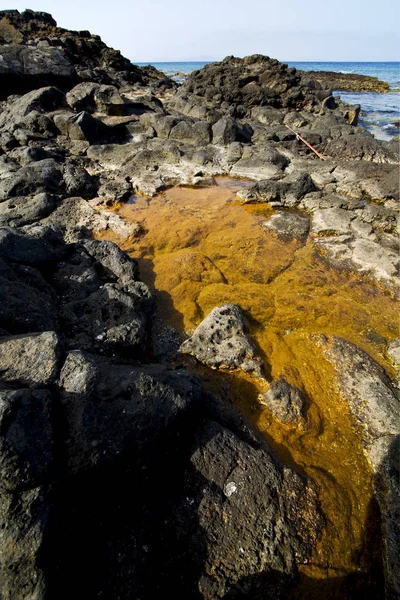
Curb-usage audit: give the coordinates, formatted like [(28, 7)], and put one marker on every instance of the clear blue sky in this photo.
[(292, 30)]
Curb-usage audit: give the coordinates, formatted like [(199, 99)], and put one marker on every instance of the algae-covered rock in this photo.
[(221, 341)]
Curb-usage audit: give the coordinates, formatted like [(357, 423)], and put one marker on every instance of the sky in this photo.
[(180, 30)]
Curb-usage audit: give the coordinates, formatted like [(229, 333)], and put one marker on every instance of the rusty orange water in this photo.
[(200, 249)]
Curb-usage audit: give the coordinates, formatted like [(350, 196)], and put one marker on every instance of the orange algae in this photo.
[(200, 249)]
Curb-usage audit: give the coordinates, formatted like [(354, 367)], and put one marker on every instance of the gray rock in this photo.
[(26, 209), (124, 408), (40, 245), (41, 176), (286, 192), (254, 520), (45, 99), (77, 219), (114, 261), (28, 303), (92, 97), (259, 162), (225, 131), (29, 360), (367, 388), (26, 440), (82, 127), (78, 182), (221, 341), (331, 221), (110, 317), (285, 401), (192, 133), (288, 225)]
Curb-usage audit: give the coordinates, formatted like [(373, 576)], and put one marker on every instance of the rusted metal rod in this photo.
[(321, 156)]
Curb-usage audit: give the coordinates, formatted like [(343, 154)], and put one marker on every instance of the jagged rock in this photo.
[(31, 60), (29, 360), (194, 133), (82, 127), (285, 401), (110, 317), (92, 97), (78, 182), (124, 408), (26, 67), (221, 341), (244, 521), (42, 100), (40, 246), (240, 84), (225, 131), (114, 261), (77, 219)]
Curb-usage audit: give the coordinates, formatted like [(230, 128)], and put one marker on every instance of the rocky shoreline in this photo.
[(349, 82), (117, 466)]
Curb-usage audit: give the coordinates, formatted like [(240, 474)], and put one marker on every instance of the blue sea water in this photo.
[(380, 113)]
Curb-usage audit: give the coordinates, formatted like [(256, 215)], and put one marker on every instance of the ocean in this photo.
[(380, 113)]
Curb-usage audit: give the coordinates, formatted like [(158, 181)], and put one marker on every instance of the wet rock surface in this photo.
[(285, 401), (221, 341), (108, 457)]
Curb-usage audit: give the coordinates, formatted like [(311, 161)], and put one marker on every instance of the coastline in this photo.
[(199, 342)]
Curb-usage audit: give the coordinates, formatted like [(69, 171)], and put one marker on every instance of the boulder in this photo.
[(221, 341), (236, 85), (259, 162), (92, 97), (25, 67), (41, 176), (244, 523), (225, 131), (23, 210), (331, 221), (125, 409), (286, 192), (193, 133), (29, 360), (82, 127)]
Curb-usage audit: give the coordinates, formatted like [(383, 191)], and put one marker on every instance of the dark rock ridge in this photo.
[(115, 468), (35, 53), (351, 82)]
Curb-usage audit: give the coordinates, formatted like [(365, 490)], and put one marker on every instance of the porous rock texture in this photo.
[(221, 341)]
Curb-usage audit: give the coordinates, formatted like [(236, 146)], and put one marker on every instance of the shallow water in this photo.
[(200, 249)]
